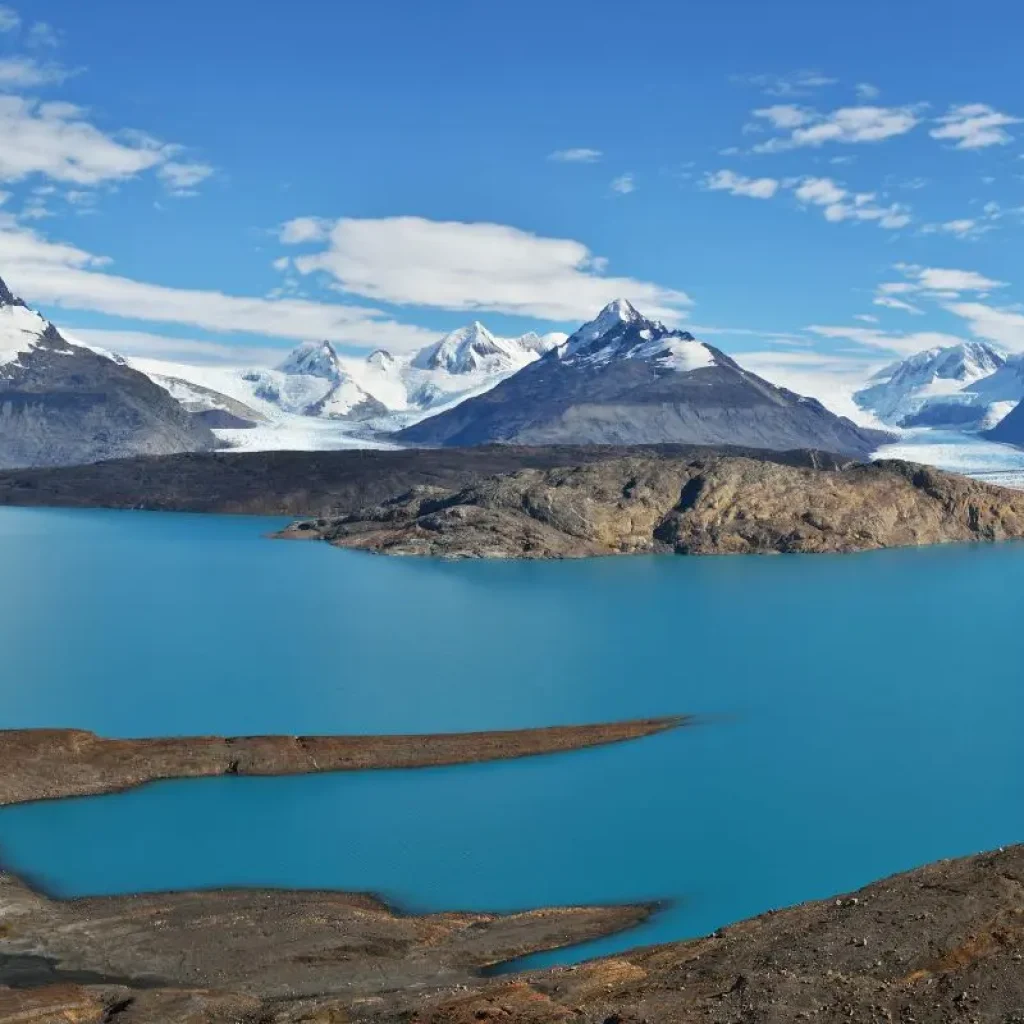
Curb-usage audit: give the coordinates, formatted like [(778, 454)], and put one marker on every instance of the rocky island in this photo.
[(720, 504)]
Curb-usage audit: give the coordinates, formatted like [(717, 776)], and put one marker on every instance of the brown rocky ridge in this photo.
[(943, 944), (711, 505), (46, 764)]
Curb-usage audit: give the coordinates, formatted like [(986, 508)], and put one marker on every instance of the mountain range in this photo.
[(620, 379), (971, 386), (624, 379)]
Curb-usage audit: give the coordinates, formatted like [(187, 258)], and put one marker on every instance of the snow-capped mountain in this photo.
[(62, 403), (965, 387), (474, 349), (624, 379)]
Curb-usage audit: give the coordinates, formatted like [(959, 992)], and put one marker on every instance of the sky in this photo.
[(817, 189)]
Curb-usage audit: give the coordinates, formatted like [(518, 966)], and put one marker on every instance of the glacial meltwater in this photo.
[(861, 714)]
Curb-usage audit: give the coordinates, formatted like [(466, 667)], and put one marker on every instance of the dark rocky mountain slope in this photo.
[(623, 379), (62, 404), (1011, 429)]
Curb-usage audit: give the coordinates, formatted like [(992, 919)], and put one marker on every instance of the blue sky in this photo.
[(818, 187)]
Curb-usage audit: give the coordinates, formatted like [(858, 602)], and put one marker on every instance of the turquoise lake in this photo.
[(862, 714)]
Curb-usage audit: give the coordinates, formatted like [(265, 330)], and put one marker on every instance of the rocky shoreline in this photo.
[(714, 505), (937, 945), (49, 764)]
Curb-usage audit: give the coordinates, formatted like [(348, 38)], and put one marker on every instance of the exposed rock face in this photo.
[(940, 945), (706, 506), (62, 404), (623, 379), (47, 764)]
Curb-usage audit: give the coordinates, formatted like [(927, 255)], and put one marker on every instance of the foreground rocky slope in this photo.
[(62, 404), (47, 764), (624, 379), (938, 945), (718, 505), (311, 483)]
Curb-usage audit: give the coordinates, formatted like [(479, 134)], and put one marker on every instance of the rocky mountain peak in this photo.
[(7, 297), (620, 332), (314, 359)]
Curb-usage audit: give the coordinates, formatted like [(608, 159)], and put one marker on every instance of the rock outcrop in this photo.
[(718, 505)]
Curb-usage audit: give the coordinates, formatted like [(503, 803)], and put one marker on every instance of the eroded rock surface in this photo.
[(718, 505)]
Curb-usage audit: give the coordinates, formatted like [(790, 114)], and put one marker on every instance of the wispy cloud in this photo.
[(867, 91), (469, 266), (9, 20), (974, 126), (839, 204), (580, 155), (849, 125), (799, 83), (28, 73), (624, 184), (739, 185), (182, 178)]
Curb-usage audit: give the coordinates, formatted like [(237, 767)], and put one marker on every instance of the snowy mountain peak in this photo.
[(469, 350), (313, 359), (941, 387), (620, 332)]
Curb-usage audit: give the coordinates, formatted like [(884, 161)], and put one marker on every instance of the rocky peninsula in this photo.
[(938, 945), (714, 505), (47, 764)]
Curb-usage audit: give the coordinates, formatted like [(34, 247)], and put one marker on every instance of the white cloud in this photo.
[(470, 266), (819, 191), (28, 73), (182, 178), (624, 184), (785, 115), (867, 91), (965, 227), (54, 140), (9, 20), (888, 302), (141, 344), (305, 229), (69, 277), (799, 83), (839, 204), (846, 125), (581, 155), (866, 318), (938, 279), (974, 126), (1003, 326), (738, 185), (891, 341), (282, 263)]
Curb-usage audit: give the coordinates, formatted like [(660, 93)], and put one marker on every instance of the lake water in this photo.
[(863, 715)]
